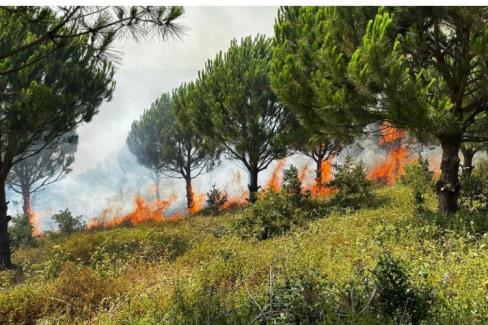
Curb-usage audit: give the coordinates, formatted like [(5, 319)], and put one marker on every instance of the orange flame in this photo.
[(320, 188), (34, 221), (274, 182), (390, 134), (197, 200), (142, 213), (393, 166)]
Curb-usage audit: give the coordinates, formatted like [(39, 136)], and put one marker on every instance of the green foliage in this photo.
[(354, 189), (306, 298), (474, 184), (21, 231), (397, 298), (234, 108), (216, 199), (279, 213), (420, 179), (67, 223), (292, 185)]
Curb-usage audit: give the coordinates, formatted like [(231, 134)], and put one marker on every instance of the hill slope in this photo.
[(199, 271)]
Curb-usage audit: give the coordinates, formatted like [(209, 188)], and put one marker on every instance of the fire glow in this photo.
[(143, 212)]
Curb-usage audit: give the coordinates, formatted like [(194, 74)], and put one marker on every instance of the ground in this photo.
[(200, 271)]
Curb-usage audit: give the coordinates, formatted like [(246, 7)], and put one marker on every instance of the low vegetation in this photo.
[(288, 259)]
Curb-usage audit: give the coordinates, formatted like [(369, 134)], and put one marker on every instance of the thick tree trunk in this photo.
[(27, 203), (448, 185), (468, 155), (189, 193), (253, 185), (5, 253)]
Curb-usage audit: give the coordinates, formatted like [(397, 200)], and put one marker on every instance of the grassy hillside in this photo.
[(200, 271)]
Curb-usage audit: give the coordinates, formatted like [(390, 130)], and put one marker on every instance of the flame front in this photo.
[(34, 221), (142, 213), (274, 182)]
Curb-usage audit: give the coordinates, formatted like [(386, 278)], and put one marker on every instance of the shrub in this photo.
[(397, 299), (474, 187), (420, 179), (353, 188), (67, 223), (21, 231), (216, 199), (273, 214), (292, 185), (306, 298)]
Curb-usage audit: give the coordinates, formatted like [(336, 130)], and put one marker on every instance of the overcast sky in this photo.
[(151, 67)]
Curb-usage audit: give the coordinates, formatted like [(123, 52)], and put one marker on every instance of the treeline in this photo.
[(313, 88)]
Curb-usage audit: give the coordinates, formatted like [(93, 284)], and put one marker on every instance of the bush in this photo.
[(216, 200), (67, 223), (353, 188), (21, 231), (306, 298), (474, 187), (396, 298), (420, 179), (292, 185)]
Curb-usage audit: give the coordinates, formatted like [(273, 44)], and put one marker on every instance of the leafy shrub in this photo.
[(397, 298), (420, 179), (216, 199), (474, 187), (306, 298), (21, 231), (292, 185), (354, 189), (279, 213), (67, 223), (273, 214)]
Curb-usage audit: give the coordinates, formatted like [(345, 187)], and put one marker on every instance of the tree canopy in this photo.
[(160, 142), (420, 69), (236, 109)]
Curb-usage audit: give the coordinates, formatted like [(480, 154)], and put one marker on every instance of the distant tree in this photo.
[(67, 223), (236, 109), (33, 174), (161, 143)]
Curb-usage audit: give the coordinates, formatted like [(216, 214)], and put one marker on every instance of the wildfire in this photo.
[(389, 134), (197, 200), (274, 182), (34, 221), (143, 212), (319, 187)]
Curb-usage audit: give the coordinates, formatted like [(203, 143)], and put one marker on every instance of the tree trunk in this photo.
[(27, 203), (448, 184), (318, 173), (468, 155), (189, 193), (5, 253), (253, 185)]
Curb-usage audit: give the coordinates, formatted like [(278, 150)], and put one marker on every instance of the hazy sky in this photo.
[(151, 67)]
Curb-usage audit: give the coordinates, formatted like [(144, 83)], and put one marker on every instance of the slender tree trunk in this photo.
[(468, 155), (448, 187), (189, 193), (253, 185), (5, 253), (318, 173)]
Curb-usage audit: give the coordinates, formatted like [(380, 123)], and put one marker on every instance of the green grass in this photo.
[(199, 271)]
